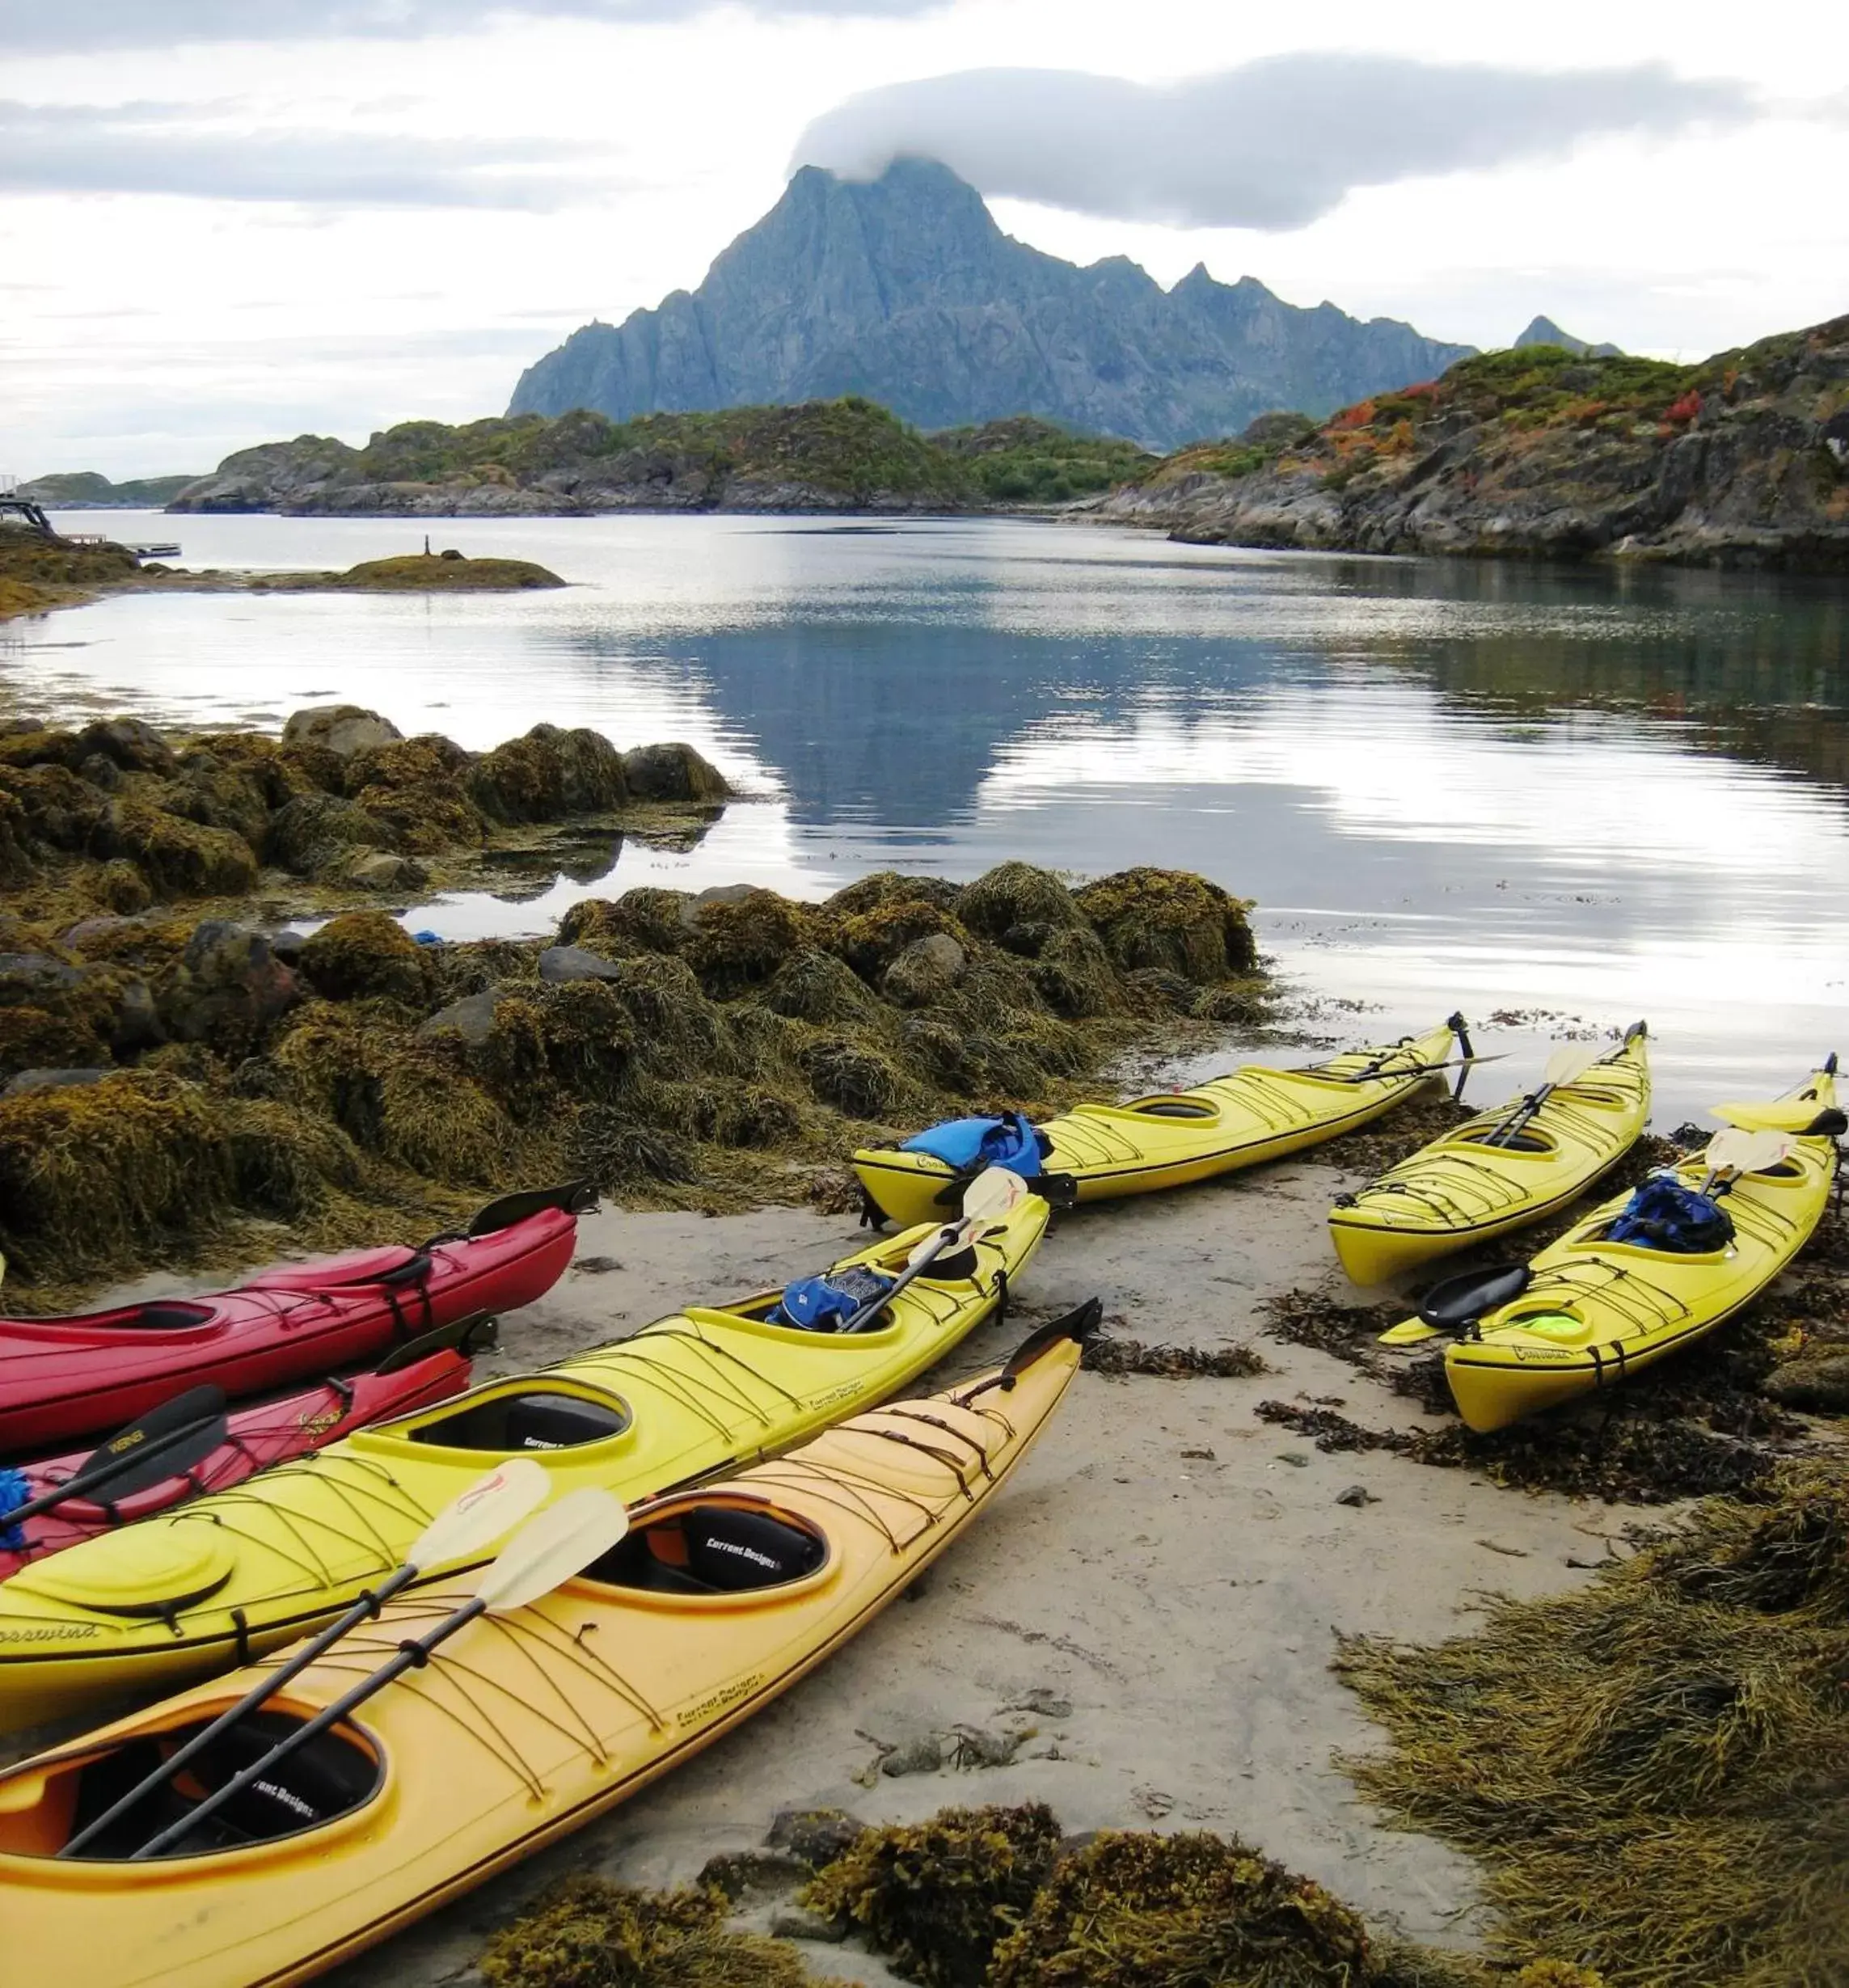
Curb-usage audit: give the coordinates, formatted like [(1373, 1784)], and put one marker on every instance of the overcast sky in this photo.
[(385, 209)]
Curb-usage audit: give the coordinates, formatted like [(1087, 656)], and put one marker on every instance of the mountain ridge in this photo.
[(905, 290)]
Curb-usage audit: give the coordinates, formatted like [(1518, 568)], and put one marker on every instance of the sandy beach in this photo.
[(1155, 1595)]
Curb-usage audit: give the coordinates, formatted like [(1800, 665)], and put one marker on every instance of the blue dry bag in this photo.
[(1662, 1214), (15, 1490), (825, 1304), (970, 1144)]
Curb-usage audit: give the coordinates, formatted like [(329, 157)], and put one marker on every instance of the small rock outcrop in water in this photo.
[(1741, 461)]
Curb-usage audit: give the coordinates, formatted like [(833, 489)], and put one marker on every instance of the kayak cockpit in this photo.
[(715, 1546), (522, 1418), (43, 1809)]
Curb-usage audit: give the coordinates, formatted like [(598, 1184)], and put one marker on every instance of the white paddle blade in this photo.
[(547, 1551), (487, 1511), (994, 1192), (1572, 1060), (1733, 1151)]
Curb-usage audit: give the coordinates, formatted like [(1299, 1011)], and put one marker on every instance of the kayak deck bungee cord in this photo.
[(227, 1578), (1095, 1152), (85, 1375), (1497, 1172), (1592, 1309), (520, 1729)]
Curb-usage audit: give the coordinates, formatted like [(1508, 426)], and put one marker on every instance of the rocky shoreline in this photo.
[(1544, 454)]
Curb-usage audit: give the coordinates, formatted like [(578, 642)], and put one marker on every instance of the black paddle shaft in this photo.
[(412, 1656)]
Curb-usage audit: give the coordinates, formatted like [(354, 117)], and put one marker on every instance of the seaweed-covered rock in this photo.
[(218, 796), (54, 807), (1074, 974), (130, 743), (1818, 1382), (812, 986), (673, 772), (1016, 897), (418, 788), (937, 1897), (316, 832), (882, 887), (365, 953), (179, 857), (1133, 1910), (925, 971), (814, 1836), (1172, 920), (28, 1081), (738, 938), (857, 1081), (647, 919), (589, 1933), (380, 870), (342, 729), (226, 988), (36, 745), (547, 775), (93, 1175), (54, 1011), (404, 762), (871, 940)]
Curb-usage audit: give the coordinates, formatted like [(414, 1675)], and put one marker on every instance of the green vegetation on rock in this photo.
[(1028, 460), (86, 488)]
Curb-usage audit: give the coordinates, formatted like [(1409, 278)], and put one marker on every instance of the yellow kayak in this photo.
[(227, 1578), (1595, 1310), (1171, 1140), (519, 1730), (1477, 1182)]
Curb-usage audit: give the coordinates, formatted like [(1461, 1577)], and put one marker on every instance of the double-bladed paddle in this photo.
[(459, 1333), (166, 1442), (1733, 1152), (990, 1197), (492, 1506), (544, 1554), (1566, 1065)]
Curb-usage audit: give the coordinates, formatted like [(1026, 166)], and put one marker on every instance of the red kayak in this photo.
[(255, 1438), (68, 1377)]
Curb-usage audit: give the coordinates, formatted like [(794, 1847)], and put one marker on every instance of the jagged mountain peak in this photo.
[(904, 289)]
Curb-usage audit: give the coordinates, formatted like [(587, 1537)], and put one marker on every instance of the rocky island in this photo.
[(1541, 452)]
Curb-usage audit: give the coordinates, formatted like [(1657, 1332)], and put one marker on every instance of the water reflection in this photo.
[(1589, 792)]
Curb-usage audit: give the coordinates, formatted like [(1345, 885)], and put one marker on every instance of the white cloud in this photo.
[(1272, 145)]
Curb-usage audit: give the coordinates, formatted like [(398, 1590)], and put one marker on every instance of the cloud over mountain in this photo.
[(28, 25), (1273, 144)]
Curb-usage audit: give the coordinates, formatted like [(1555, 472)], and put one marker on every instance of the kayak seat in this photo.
[(1507, 1142), (393, 1265), (156, 1317), (1173, 1108), (712, 1549), (534, 1419), (328, 1777)]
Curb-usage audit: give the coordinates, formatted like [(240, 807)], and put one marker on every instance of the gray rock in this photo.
[(924, 1755), (228, 985), (799, 1923), (100, 772), (1818, 1383), (137, 1024), (384, 871), (748, 1875), (30, 1080), (560, 964), (129, 743), (1357, 1494), (287, 946), (976, 1746), (87, 931), (925, 971), (23, 975), (341, 729), (673, 771), (471, 1018), (817, 1836)]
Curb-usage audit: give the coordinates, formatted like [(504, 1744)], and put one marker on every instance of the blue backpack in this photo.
[(826, 1303), (1663, 1214), (970, 1144), (15, 1490)]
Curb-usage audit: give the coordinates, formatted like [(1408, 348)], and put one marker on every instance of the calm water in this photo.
[(1594, 795)]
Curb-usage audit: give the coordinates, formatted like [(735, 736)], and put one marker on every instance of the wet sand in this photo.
[(1168, 1567)]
